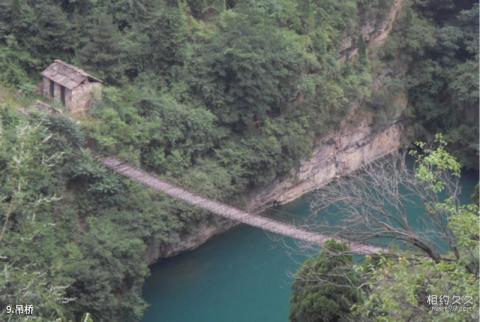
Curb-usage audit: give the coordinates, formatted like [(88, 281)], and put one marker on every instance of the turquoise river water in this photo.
[(243, 275)]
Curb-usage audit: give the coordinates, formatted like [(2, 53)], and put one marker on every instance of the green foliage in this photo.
[(102, 52), (27, 195), (432, 163), (220, 96), (398, 289), (13, 64), (325, 288), (243, 86), (249, 69), (439, 44), (73, 235), (87, 317), (168, 136)]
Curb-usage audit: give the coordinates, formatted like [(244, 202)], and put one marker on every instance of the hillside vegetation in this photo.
[(221, 96)]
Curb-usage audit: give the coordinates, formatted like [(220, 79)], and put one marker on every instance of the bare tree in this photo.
[(382, 202)]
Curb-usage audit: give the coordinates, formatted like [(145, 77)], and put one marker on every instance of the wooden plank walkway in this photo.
[(226, 211)]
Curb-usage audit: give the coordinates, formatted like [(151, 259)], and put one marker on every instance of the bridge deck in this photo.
[(226, 211)]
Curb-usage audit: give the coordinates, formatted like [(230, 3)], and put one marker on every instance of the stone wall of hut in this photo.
[(46, 87), (78, 100), (83, 96)]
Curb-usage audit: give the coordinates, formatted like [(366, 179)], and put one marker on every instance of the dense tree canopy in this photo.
[(325, 288), (438, 41), (221, 96)]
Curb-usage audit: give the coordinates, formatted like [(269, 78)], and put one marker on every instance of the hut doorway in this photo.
[(62, 94), (52, 89)]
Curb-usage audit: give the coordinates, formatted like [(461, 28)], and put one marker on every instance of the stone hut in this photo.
[(73, 87)]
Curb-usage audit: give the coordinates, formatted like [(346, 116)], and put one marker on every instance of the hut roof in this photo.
[(67, 75)]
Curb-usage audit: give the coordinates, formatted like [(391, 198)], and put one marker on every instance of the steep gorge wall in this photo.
[(336, 155), (353, 145)]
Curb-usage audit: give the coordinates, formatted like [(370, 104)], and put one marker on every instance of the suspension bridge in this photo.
[(226, 211)]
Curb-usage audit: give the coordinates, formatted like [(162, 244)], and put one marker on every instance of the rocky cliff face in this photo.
[(336, 155), (183, 243), (374, 31)]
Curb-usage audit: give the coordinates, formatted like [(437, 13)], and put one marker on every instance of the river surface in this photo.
[(243, 275)]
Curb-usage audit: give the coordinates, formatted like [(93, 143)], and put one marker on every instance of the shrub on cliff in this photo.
[(325, 288)]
